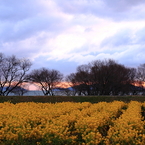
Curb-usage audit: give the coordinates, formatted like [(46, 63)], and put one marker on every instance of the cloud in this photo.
[(24, 20), (64, 66), (114, 9), (127, 46), (132, 57), (55, 33), (123, 5), (123, 37), (140, 35), (27, 27)]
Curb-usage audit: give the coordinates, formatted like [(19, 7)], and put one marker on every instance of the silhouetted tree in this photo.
[(102, 78), (20, 90), (81, 80), (82, 76), (109, 77), (140, 77), (72, 82), (12, 73), (47, 79), (64, 91)]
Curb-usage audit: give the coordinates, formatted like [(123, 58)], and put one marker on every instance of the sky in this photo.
[(64, 34)]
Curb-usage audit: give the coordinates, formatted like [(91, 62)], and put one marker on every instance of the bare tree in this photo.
[(140, 76), (12, 73), (80, 81), (83, 78), (141, 73), (102, 78), (64, 90), (111, 78), (71, 79), (21, 89), (48, 79)]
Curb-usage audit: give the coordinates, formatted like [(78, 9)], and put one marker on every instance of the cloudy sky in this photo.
[(62, 34)]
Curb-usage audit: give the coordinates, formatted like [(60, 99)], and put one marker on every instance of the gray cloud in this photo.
[(20, 20), (123, 37), (140, 36), (126, 47), (122, 5), (132, 57), (53, 33), (28, 27), (112, 9), (17, 10), (66, 66)]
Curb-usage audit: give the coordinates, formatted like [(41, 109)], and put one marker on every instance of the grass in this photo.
[(53, 99)]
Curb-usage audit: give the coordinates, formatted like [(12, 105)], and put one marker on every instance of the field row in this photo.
[(72, 123)]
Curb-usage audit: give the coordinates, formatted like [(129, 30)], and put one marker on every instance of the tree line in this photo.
[(99, 77)]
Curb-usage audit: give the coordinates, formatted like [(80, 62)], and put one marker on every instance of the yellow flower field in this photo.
[(68, 123)]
